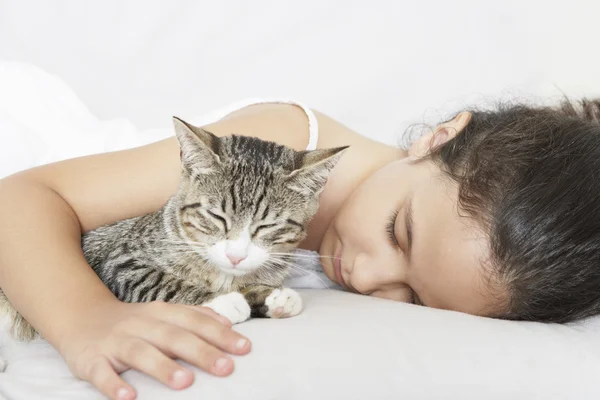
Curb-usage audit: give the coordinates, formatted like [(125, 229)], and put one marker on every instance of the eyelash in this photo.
[(390, 226), (413, 298)]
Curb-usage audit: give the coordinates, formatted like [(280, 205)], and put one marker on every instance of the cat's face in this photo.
[(243, 202)]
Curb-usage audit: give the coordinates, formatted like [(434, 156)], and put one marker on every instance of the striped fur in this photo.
[(227, 185)]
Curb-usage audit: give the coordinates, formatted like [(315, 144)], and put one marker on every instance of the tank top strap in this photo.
[(313, 124)]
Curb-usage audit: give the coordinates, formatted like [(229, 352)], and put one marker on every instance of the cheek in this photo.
[(358, 218)]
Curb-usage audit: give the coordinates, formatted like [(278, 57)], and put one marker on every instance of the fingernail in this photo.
[(241, 343), (123, 394), (179, 377), (221, 363)]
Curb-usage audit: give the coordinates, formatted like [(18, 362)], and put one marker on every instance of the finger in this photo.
[(207, 328), (102, 375), (208, 311), (144, 357), (183, 344)]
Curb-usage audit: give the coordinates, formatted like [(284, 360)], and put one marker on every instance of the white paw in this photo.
[(2, 364), (232, 306), (283, 303)]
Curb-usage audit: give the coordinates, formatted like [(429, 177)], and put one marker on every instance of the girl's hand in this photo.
[(116, 336)]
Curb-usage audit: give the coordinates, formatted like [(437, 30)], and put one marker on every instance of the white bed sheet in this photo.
[(345, 346)]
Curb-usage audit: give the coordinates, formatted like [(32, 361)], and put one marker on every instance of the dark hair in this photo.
[(530, 176)]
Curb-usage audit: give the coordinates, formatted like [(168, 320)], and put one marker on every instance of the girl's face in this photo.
[(399, 236)]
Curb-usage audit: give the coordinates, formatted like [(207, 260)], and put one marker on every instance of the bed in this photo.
[(62, 95)]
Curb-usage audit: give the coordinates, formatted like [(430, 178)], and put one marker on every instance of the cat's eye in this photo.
[(196, 224), (262, 227), (219, 218)]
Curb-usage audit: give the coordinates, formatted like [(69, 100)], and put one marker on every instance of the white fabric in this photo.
[(307, 272), (345, 346), (342, 345), (42, 121), (313, 124)]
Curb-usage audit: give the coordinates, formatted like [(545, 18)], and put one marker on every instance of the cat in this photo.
[(223, 239)]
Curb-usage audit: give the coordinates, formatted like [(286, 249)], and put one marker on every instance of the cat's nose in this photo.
[(236, 258)]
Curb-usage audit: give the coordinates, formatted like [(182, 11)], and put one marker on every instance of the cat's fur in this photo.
[(237, 194)]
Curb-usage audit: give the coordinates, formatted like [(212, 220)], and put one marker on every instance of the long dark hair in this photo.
[(530, 176)]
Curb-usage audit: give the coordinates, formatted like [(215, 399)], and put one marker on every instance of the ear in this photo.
[(312, 169), (198, 147), (440, 135)]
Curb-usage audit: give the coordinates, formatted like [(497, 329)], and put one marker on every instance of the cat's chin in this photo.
[(234, 271)]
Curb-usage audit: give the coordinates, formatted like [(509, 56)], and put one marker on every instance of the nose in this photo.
[(372, 274), (236, 258)]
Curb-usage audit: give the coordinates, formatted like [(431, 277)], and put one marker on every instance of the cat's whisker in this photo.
[(272, 265), (280, 260), (299, 268), (312, 256)]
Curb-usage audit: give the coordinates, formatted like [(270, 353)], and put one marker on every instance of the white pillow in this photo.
[(346, 346)]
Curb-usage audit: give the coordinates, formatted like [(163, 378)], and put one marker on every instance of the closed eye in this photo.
[(390, 229), (219, 218), (194, 224), (415, 299), (262, 227)]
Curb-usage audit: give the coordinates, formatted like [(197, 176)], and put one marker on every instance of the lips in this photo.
[(337, 268)]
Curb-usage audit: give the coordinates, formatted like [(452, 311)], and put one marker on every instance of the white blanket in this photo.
[(42, 121)]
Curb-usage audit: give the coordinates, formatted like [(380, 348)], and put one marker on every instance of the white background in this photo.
[(375, 65)]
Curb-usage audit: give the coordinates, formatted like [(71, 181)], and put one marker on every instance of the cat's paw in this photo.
[(2, 364), (232, 306), (283, 303)]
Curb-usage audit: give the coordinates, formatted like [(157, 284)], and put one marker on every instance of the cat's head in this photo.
[(244, 202)]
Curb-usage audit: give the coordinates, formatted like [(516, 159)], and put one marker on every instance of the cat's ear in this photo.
[(312, 168), (198, 147)]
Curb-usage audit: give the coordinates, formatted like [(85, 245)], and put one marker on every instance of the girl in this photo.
[(491, 213)]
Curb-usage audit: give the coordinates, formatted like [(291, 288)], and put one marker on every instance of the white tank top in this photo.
[(216, 115), (308, 272)]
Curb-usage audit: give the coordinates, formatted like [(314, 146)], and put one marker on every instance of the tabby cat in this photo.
[(223, 239)]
